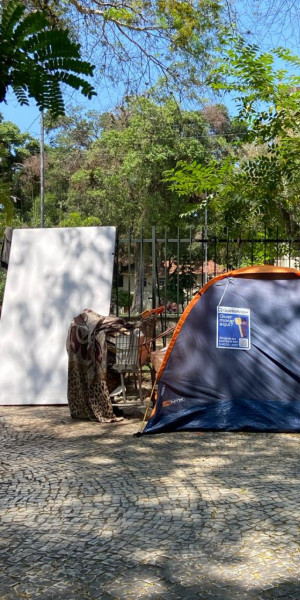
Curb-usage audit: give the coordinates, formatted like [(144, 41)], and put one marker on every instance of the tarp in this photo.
[(53, 275), (233, 363)]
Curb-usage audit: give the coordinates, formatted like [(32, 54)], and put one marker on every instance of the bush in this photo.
[(2, 284), (124, 297)]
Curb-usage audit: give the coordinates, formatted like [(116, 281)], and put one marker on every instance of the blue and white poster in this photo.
[(233, 328)]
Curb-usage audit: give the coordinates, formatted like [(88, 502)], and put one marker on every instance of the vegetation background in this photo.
[(169, 153)]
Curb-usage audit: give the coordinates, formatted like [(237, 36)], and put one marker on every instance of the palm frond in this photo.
[(52, 43), (36, 60), (78, 83), (31, 24), (21, 94), (11, 15), (69, 64)]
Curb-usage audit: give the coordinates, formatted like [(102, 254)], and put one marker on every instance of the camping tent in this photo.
[(233, 361)]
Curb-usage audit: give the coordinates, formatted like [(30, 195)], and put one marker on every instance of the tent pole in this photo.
[(146, 411)]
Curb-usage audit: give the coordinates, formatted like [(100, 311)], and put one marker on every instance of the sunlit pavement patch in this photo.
[(89, 511)]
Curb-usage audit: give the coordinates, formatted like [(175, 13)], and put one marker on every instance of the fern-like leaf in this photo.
[(31, 24), (11, 15), (21, 95), (69, 64), (37, 59), (78, 83), (52, 43)]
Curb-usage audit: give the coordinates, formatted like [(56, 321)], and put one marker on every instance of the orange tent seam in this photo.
[(262, 270)]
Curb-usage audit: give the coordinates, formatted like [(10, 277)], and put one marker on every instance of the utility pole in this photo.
[(42, 151)]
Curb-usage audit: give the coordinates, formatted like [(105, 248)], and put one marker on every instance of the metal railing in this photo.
[(169, 269)]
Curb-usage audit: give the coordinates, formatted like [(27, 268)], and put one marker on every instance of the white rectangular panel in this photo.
[(53, 275)]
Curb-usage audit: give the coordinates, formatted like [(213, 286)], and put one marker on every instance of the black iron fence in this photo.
[(163, 269), (160, 268)]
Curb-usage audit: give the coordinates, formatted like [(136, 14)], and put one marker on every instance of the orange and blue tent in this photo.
[(233, 363)]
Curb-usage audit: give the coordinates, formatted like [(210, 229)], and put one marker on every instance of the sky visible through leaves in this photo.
[(269, 33)]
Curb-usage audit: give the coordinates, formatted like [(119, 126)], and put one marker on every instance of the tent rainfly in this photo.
[(233, 363)]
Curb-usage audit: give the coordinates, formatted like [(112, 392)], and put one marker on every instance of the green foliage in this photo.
[(178, 282), (119, 176), (124, 298), (2, 284), (6, 208), (133, 43), (36, 59), (199, 179), (76, 220), (15, 149), (259, 183)]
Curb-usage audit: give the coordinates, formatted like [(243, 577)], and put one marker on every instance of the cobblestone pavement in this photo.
[(90, 512)]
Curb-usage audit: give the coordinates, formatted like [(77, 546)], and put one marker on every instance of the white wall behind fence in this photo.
[(53, 275)]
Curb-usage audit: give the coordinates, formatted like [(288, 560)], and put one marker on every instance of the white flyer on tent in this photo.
[(233, 328)]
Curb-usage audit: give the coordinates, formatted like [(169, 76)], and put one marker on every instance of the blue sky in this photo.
[(270, 34), (27, 118)]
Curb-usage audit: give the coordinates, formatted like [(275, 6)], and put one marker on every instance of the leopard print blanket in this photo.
[(88, 394)]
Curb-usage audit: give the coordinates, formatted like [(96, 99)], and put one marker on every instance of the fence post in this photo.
[(117, 266), (189, 295), (227, 249), (142, 274), (178, 269), (129, 267), (205, 247), (166, 276), (153, 267)]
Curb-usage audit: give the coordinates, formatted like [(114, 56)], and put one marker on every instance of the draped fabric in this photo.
[(88, 392)]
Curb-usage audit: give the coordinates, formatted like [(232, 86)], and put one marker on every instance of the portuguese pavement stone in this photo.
[(90, 512)]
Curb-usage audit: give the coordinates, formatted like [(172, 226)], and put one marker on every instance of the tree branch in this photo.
[(101, 13)]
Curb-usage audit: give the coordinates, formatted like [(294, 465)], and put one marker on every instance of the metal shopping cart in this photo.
[(128, 359)]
